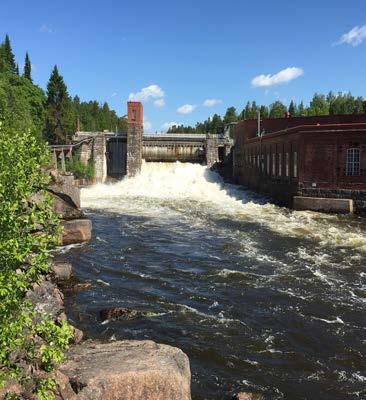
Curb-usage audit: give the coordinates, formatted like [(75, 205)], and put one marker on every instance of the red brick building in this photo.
[(322, 156)]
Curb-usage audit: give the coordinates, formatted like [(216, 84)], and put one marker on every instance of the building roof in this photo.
[(249, 128)]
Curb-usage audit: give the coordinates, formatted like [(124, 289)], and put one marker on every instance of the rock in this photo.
[(64, 209), (64, 389), (66, 188), (128, 370), (77, 287), (47, 299), (248, 396), (76, 231), (120, 313), (77, 335), (66, 194), (61, 271)]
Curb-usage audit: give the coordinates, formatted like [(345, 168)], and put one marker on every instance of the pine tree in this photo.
[(60, 115), (17, 69), (27, 73), (292, 109), (8, 55), (301, 110)]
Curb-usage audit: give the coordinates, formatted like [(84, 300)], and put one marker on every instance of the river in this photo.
[(259, 297)]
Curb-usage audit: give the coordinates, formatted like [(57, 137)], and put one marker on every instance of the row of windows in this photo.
[(264, 163)]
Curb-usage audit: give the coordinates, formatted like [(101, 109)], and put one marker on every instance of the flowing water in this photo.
[(261, 298)]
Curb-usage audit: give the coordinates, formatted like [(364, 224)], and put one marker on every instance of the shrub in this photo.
[(79, 169), (28, 230)]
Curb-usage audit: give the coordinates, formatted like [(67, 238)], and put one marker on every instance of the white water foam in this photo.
[(191, 189)]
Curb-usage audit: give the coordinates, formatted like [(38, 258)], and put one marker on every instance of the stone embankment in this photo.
[(92, 370)]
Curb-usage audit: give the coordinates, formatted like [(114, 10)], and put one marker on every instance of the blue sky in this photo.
[(185, 53)]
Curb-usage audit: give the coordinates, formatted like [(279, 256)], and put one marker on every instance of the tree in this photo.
[(230, 115), (277, 110), (60, 115), (301, 112), (9, 56), (27, 68), (264, 112), (292, 109), (318, 105)]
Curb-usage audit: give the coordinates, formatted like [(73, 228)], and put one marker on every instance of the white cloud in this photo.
[(186, 109), (168, 125), (159, 103), (354, 37), (284, 76), (147, 124), (211, 102), (147, 93), (46, 29), (114, 94)]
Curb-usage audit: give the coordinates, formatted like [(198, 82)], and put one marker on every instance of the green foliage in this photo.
[(27, 68), (8, 56), (28, 230), (22, 101), (277, 110), (94, 117), (79, 169), (60, 115)]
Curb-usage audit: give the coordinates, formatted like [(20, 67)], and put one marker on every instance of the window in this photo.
[(268, 164), (353, 162), (295, 164), (279, 164), (287, 164), (133, 115), (273, 164)]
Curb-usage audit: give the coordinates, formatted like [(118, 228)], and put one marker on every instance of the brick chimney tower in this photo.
[(134, 137)]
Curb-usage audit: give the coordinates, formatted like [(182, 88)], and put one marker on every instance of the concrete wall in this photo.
[(134, 138), (344, 206), (99, 157)]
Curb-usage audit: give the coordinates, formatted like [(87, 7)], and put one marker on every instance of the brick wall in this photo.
[(134, 138)]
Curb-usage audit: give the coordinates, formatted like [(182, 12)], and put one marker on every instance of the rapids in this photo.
[(261, 298)]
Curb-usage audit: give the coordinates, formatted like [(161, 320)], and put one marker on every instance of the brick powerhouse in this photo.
[(322, 156)]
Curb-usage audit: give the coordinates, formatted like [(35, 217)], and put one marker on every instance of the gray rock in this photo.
[(47, 299), (62, 271), (128, 370)]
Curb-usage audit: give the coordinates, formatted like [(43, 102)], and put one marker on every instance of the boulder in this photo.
[(76, 231), (61, 271), (120, 313), (128, 370), (64, 208), (65, 187), (66, 194), (47, 299)]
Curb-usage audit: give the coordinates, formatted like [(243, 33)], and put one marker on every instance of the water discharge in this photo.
[(260, 297)]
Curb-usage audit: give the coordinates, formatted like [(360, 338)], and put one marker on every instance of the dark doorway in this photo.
[(221, 153), (116, 157)]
